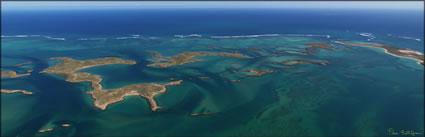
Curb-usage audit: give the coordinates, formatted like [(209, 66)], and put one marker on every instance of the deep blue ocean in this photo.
[(160, 22), (363, 92)]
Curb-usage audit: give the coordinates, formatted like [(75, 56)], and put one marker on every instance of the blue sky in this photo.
[(22, 5)]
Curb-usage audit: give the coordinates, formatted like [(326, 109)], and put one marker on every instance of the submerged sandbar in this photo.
[(199, 114), (394, 51), (187, 57), (22, 64)]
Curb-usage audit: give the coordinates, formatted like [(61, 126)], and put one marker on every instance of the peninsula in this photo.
[(394, 51), (69, 65), (103, 98), (187, 57)]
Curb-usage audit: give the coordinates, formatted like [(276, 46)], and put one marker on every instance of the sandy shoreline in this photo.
[(404, 52), (417, 60)]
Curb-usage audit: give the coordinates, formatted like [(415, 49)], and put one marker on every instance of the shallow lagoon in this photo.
[(354, 91)]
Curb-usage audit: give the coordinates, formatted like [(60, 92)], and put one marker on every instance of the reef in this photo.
[(394, 51), (310, 46), (187, 57)]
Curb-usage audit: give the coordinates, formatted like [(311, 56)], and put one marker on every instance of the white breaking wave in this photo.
[(52, 38), (25, 36), (15, 36), (308, 35), (132, 37), (403, 37), (270, 35), (187, 36), (92, 39), (368, 35), (245, 36)]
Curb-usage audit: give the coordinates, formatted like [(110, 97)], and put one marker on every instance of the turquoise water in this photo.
[(363, 92)]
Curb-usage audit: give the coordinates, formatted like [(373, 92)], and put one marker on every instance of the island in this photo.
[(16, 91), (187, 57), (294, 62), (258, 72), (45, 130), (394, 51), (103, 98), (12, 74), (66, 125), (52, 128)]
